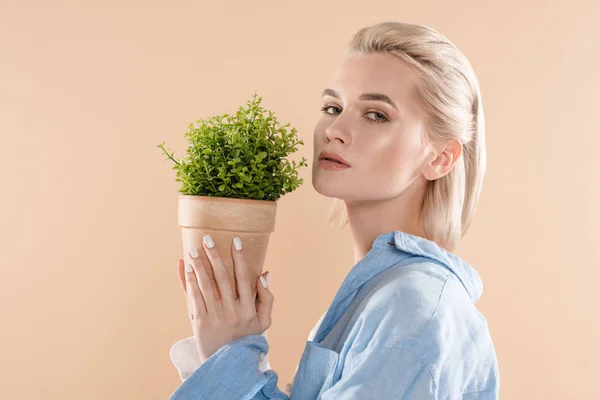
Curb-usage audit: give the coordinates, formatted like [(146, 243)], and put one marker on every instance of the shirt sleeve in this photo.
[(233, 373), (185, 357)]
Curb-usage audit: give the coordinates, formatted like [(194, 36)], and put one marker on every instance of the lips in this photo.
[(331, 159), (335, 157)]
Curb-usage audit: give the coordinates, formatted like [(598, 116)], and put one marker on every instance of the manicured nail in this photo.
[(189, 268), (194, 252), (268, 276), (263, 281), (209, 242), (237, 243)]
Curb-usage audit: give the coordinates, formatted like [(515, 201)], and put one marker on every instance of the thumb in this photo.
[(264, 302)]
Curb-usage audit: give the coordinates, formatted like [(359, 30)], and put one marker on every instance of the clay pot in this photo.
[(223, 219)]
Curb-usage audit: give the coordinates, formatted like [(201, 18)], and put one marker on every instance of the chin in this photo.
[(326, 186), (335, 184), (335, 189), (327, 191)]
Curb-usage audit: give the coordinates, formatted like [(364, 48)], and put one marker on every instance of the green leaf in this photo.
[(241, 155)]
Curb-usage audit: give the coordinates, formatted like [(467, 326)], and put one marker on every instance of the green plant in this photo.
[(241, 156)]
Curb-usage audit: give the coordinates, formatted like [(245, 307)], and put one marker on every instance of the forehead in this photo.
[(360, 73)]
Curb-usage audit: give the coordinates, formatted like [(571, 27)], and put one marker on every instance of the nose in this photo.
[(338, 131)]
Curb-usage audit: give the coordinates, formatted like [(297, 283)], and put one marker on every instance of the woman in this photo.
[(401, 142)]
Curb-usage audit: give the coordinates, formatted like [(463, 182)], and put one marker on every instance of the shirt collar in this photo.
[(419, 246)]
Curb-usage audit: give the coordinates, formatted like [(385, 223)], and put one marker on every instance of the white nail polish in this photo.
[(262, 280), (237, 243), (209, 242), (268, 276), (194, 252), (188, 268)]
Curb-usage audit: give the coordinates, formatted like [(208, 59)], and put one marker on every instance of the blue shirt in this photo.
[(403, 325)]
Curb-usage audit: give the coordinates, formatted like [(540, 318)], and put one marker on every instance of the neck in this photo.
[(368, 219)]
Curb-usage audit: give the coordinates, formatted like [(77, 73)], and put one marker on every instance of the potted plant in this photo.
[(235, 171)]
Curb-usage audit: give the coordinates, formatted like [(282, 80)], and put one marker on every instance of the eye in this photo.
[(331, 110), (377, 117)]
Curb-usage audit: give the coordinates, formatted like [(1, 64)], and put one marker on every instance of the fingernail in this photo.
[(209, 242), (263, 281), (188, 268), (237, 243), (194, 252), (268, 276)]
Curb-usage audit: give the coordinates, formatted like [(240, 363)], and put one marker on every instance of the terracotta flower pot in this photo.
[(225, 218)]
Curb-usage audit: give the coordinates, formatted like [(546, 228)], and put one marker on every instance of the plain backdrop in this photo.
[(90, 299)]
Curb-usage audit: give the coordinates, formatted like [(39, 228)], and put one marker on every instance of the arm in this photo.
[(379, 366), (232, 373)]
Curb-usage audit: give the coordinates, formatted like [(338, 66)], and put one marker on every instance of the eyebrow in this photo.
[(366, 96)]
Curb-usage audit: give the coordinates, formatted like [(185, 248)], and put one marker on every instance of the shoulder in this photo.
[(406, 286), (403, 299), (424, 308)]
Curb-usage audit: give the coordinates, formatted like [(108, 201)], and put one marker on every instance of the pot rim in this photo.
[(228, 199)]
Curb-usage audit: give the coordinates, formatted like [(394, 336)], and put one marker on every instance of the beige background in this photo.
[(90, 298)]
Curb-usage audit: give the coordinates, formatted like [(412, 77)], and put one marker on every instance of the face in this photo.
[(370, 118)]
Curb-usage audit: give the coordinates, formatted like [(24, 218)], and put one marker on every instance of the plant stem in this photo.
[(168, 155)]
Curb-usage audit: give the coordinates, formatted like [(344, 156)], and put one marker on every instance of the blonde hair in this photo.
[(449, 92)]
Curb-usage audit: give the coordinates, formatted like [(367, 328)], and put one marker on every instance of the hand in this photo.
[(218, 320)]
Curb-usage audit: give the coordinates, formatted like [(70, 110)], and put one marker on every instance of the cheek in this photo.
[(397, 161)]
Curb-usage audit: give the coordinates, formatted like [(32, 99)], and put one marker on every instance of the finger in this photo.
[(221, 275), (203, 257), (196, 305), (264, 302), (204, 282), (242, 274), (181, 274)]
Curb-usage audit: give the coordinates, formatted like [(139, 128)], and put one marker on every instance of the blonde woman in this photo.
[(401, 143)]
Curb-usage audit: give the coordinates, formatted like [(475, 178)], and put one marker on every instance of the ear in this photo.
[(443, 160)]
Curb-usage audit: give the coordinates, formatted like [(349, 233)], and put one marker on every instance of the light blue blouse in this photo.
[(403, 325)]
